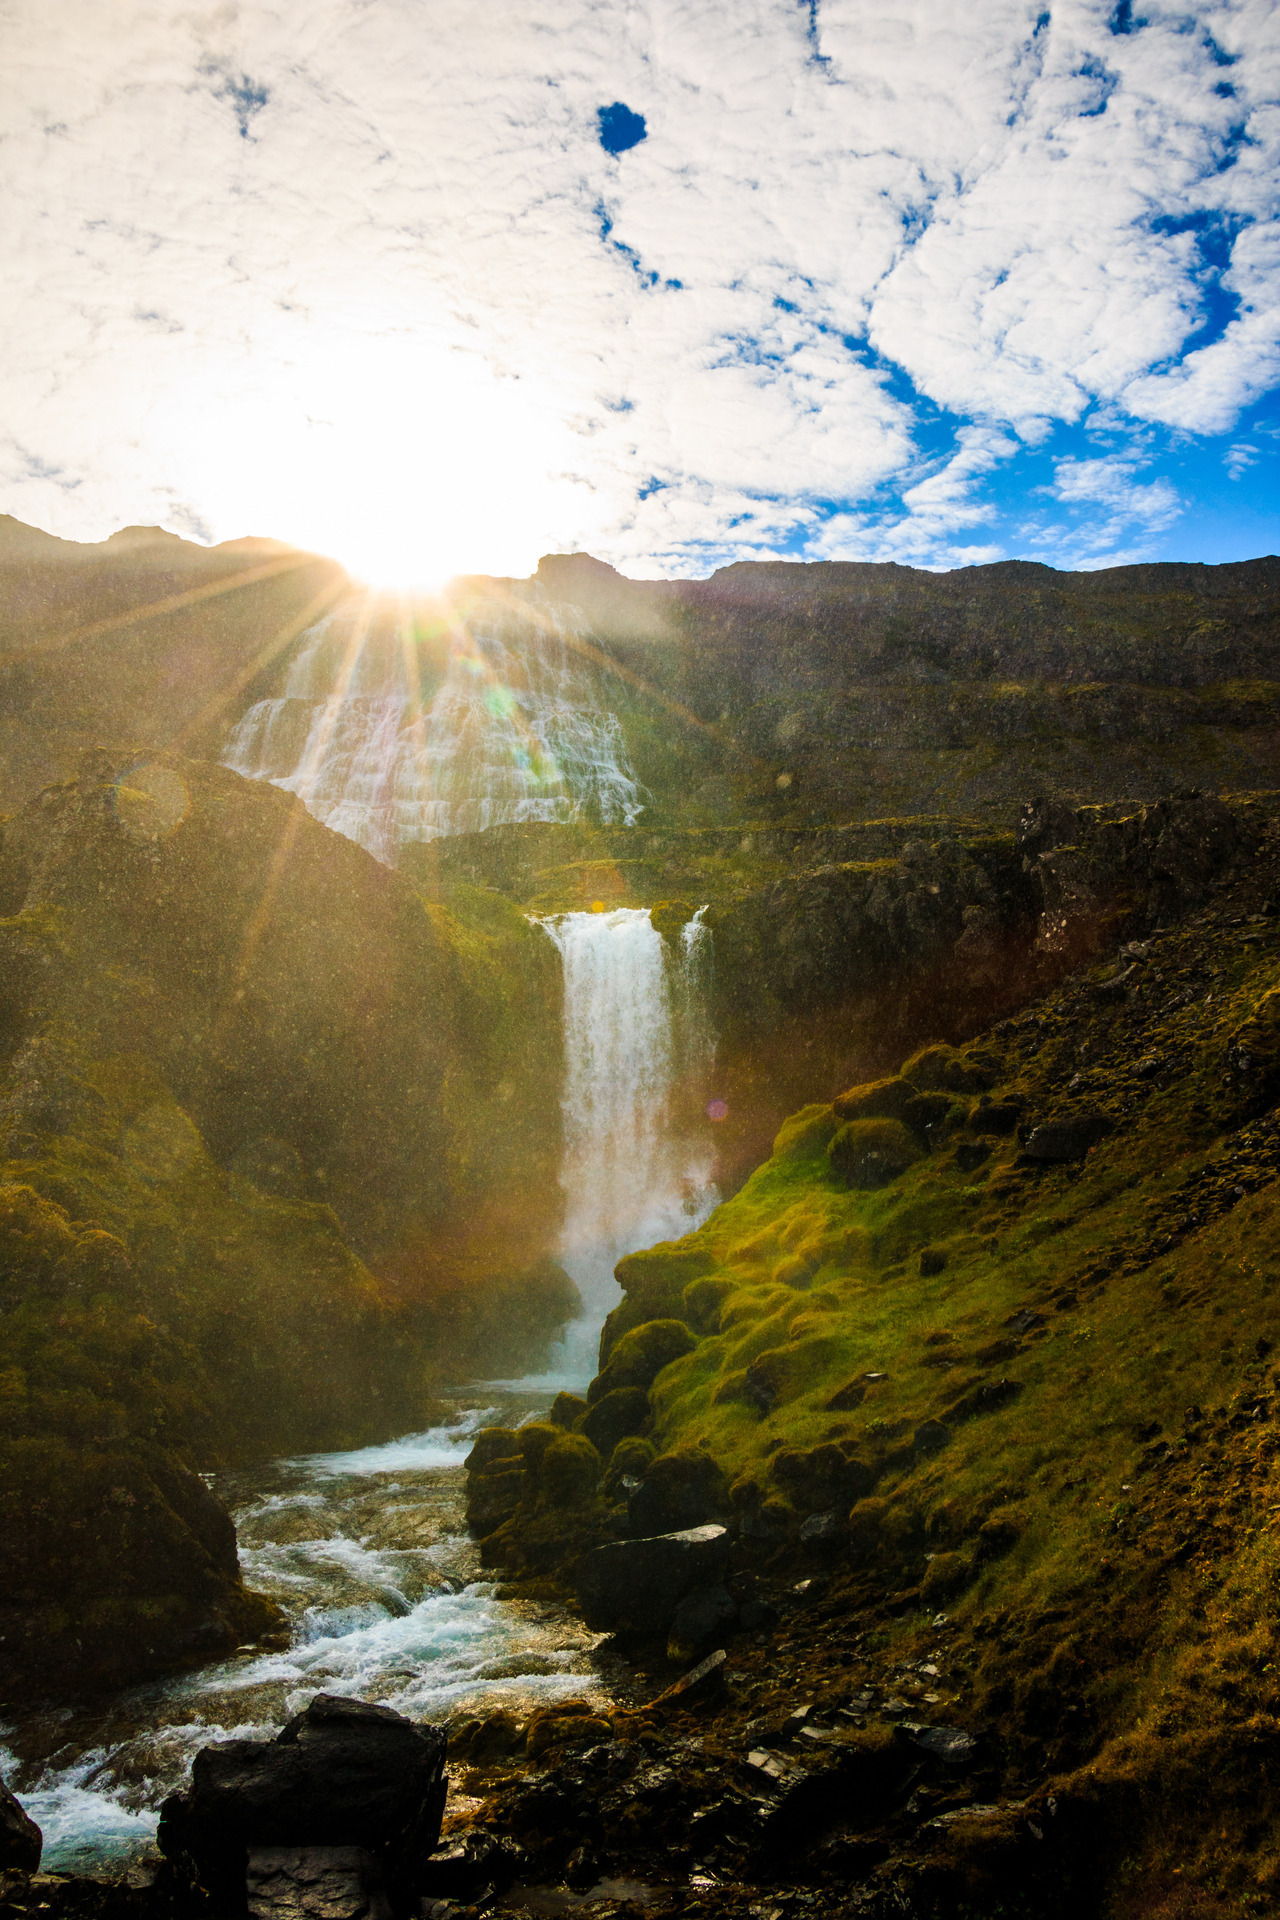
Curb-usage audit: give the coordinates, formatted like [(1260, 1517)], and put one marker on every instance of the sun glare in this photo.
[(408, 463)]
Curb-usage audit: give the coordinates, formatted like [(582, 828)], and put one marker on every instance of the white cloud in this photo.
[(225, 223)]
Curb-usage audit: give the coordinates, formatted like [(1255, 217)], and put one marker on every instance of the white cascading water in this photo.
[(389, 740), (636, 1052)]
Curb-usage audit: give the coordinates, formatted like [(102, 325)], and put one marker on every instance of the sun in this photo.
[(409, 463)]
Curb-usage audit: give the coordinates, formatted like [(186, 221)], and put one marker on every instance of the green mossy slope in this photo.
[(1033, 1394), (278, 1142)]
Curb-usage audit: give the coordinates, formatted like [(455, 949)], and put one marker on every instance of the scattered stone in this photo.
[(948, 1744), (21, 1840), (315, 1883), (636, 1585), (823, 1531), (702, 1682)]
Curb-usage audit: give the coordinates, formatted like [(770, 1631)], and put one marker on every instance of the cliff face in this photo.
[(142, 637)]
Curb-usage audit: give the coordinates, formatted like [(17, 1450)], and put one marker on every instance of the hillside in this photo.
[(276, 1154), (981, 1357)]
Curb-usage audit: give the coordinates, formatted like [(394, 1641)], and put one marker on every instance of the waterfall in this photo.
[(391, 734), (636, 1054)]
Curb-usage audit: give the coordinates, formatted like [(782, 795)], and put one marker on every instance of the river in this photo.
[(368, 1554)]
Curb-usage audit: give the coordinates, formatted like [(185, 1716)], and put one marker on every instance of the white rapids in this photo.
[(395, 736), (367, 1554)]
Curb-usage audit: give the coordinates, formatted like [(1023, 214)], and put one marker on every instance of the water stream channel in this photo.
[(367, 1552)]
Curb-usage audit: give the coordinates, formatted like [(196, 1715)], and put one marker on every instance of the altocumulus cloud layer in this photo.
[(679, 280)]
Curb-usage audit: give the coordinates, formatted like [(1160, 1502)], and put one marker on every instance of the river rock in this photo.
[(344, 1773), (21, 1840), (315, 1883), (636, 1585)]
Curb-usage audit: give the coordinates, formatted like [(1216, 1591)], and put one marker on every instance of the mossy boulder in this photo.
[(945, 1575), (631, 1459), (877, 1100), (943, 1069), (533, 1440), (570, 1471), (490, 1444), (654, 1281), (614, 1416), (702, 1300), (872, 1153), (684, 1488), (640, 1356), (823, 1476), (566, 1410)]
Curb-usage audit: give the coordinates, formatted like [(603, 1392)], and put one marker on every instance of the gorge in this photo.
[(751, 937)]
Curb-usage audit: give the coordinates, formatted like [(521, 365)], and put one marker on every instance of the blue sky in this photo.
[(434, 285)]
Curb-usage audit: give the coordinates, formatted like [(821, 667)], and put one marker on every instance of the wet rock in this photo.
[(315, 1883), (1068, 1138), (636, 1585), (702, 1618), (342, 1774), (21, 1840)]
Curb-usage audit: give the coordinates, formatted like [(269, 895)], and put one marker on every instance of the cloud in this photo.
[(861, 254)]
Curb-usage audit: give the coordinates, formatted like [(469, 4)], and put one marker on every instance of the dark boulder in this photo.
[(470, 1866), (702, 1618), (1067, 1138), (342, 1774), (20, 1838), (636, 1585)]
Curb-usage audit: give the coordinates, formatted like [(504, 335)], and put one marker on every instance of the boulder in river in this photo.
[(636, 1585), (344, 1773), (21, 1840)]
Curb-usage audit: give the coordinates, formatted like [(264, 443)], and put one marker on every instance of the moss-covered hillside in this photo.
[(278, 1150), (992, 1338)]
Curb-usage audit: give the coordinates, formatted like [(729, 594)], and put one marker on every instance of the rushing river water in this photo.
[(368, 1554)]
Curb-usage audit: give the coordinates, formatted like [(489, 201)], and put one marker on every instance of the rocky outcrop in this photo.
[(21, 1841)]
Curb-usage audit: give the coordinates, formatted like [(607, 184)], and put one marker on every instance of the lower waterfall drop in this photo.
[(636, 1052)]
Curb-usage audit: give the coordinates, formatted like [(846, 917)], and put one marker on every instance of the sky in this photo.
[(442, 285)]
